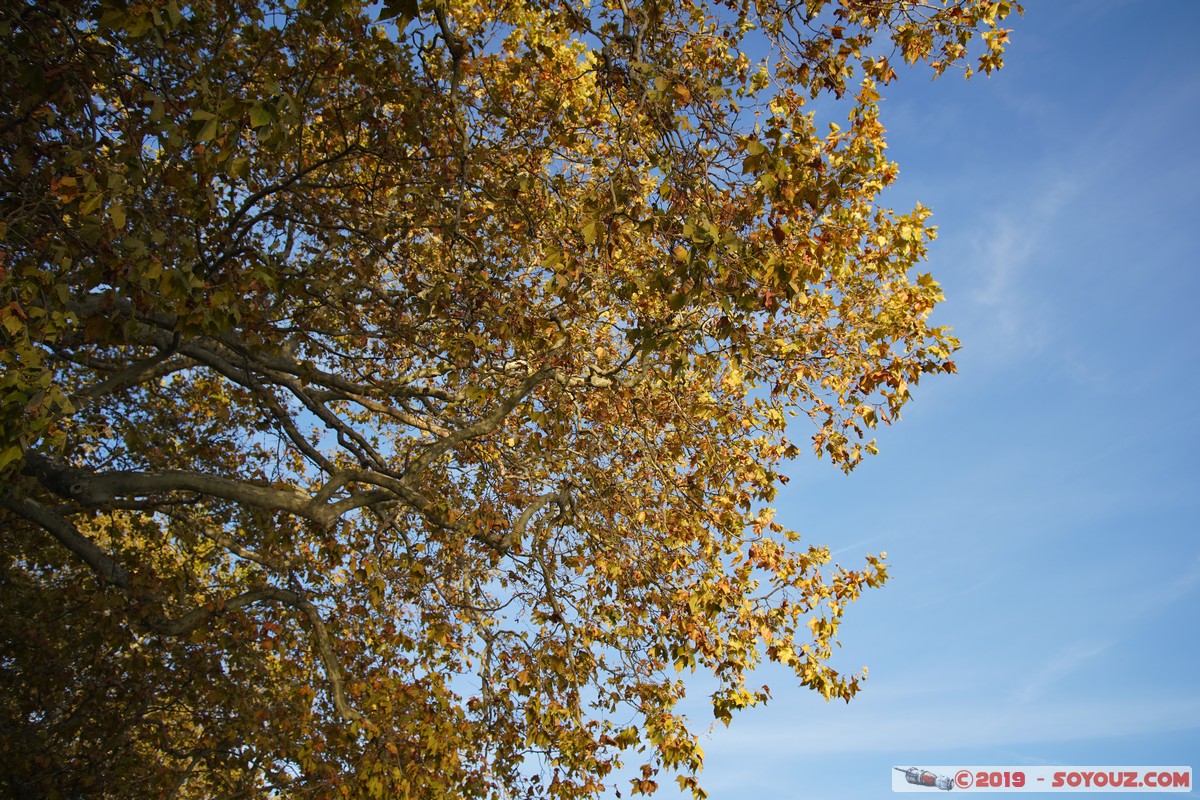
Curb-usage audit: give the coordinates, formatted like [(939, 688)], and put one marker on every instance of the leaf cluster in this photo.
[(393, 406)]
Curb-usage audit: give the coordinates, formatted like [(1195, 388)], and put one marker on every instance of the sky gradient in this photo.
[(1039, 510)]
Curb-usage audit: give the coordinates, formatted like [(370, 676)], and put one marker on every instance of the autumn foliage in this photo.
[(393, 400)]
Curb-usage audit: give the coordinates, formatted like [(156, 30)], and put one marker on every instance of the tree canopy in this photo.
[(394, 398)]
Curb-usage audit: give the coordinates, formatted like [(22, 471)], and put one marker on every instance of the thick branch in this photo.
[(69, 536), (135, 373), (349, 438), (518, 530), (281, 363), (98, 488)]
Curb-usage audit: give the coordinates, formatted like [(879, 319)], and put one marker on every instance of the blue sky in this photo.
[(1039, 510)]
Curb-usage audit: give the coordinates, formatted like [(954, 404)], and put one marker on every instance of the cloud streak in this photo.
[(1060, 666), (945, 726)]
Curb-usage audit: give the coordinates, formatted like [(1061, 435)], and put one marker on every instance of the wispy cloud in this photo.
[(1168, 594), (1003, 254), (942, 726), (1067, 661), (858, 547), (1078, 655)]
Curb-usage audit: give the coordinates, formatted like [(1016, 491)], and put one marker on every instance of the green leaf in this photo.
[(259, 116), (9, 454), (589, 232), (208, 132)]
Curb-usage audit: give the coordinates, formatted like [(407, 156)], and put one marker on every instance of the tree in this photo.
[(393, 402)]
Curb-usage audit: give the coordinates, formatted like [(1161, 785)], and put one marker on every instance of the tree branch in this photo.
[(518, 529), (133, 374), (322, 642), (104, 565), (479, 428), (215, 534), (68, 535), (97, 488)]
